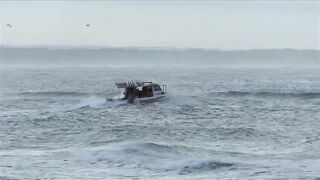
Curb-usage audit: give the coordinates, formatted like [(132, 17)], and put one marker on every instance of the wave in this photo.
[(85, 99), (201, 166), (150, 157), (98, 101), (270, 94), (92, 101), (62, 94), (174, 100), (239, 132), (53, 93)]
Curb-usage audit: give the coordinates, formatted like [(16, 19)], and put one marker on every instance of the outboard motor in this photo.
[(130, 98), (130, 94)]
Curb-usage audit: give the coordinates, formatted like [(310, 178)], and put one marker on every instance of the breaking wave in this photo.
[(149, 157), (270, 94)]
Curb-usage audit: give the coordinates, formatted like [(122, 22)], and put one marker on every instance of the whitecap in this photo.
[(153, 157)]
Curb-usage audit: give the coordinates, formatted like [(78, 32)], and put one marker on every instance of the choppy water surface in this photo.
[(216, 123)]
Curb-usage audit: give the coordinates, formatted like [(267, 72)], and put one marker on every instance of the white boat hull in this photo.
[(140, 91), (153, 98)]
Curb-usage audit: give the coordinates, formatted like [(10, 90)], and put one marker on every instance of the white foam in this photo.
[(96, 101), (92, 101), (148, 156)]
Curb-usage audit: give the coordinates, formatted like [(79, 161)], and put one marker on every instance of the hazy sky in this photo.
[(200, 24)]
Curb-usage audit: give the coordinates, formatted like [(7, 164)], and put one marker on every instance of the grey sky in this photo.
[(199, 24)]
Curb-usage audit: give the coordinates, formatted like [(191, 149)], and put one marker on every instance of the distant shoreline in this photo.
[(49, 56), (68, 47)]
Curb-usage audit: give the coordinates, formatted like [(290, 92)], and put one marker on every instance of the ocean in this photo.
[(216, 123)]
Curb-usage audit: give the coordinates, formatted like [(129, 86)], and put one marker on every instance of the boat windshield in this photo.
[(147, 91), (157, 87)]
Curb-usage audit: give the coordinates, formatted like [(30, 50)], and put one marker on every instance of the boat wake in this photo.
[(55, 94), (92, 101), (98, 101)]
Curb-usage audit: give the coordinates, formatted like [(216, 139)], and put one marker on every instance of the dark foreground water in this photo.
[(216, 123)]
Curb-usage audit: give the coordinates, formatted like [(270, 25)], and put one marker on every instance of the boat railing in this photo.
[(137, 83), (163, 87), (125, 84)]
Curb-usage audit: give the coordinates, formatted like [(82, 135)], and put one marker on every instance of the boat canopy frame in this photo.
[(138, 83), (125, 84)]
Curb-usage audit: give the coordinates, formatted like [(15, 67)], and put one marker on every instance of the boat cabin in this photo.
[(141, 90)]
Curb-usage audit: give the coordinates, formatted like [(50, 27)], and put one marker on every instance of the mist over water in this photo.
[(160, 57), (246, 114)]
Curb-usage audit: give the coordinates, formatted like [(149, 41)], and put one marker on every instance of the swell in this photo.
[(270, 94), (151, 157), (58, 93)]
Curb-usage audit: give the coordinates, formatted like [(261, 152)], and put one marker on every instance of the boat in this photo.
[(142, 91)]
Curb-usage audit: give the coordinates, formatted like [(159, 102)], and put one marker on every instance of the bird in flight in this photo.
[(9, 25), (88, 25)]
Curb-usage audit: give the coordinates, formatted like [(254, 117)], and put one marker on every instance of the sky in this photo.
[(176, 24)]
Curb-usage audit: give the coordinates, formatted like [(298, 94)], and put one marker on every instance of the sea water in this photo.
[(215, 123)]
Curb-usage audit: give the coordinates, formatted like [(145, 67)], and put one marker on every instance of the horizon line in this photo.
[(141, 47)]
